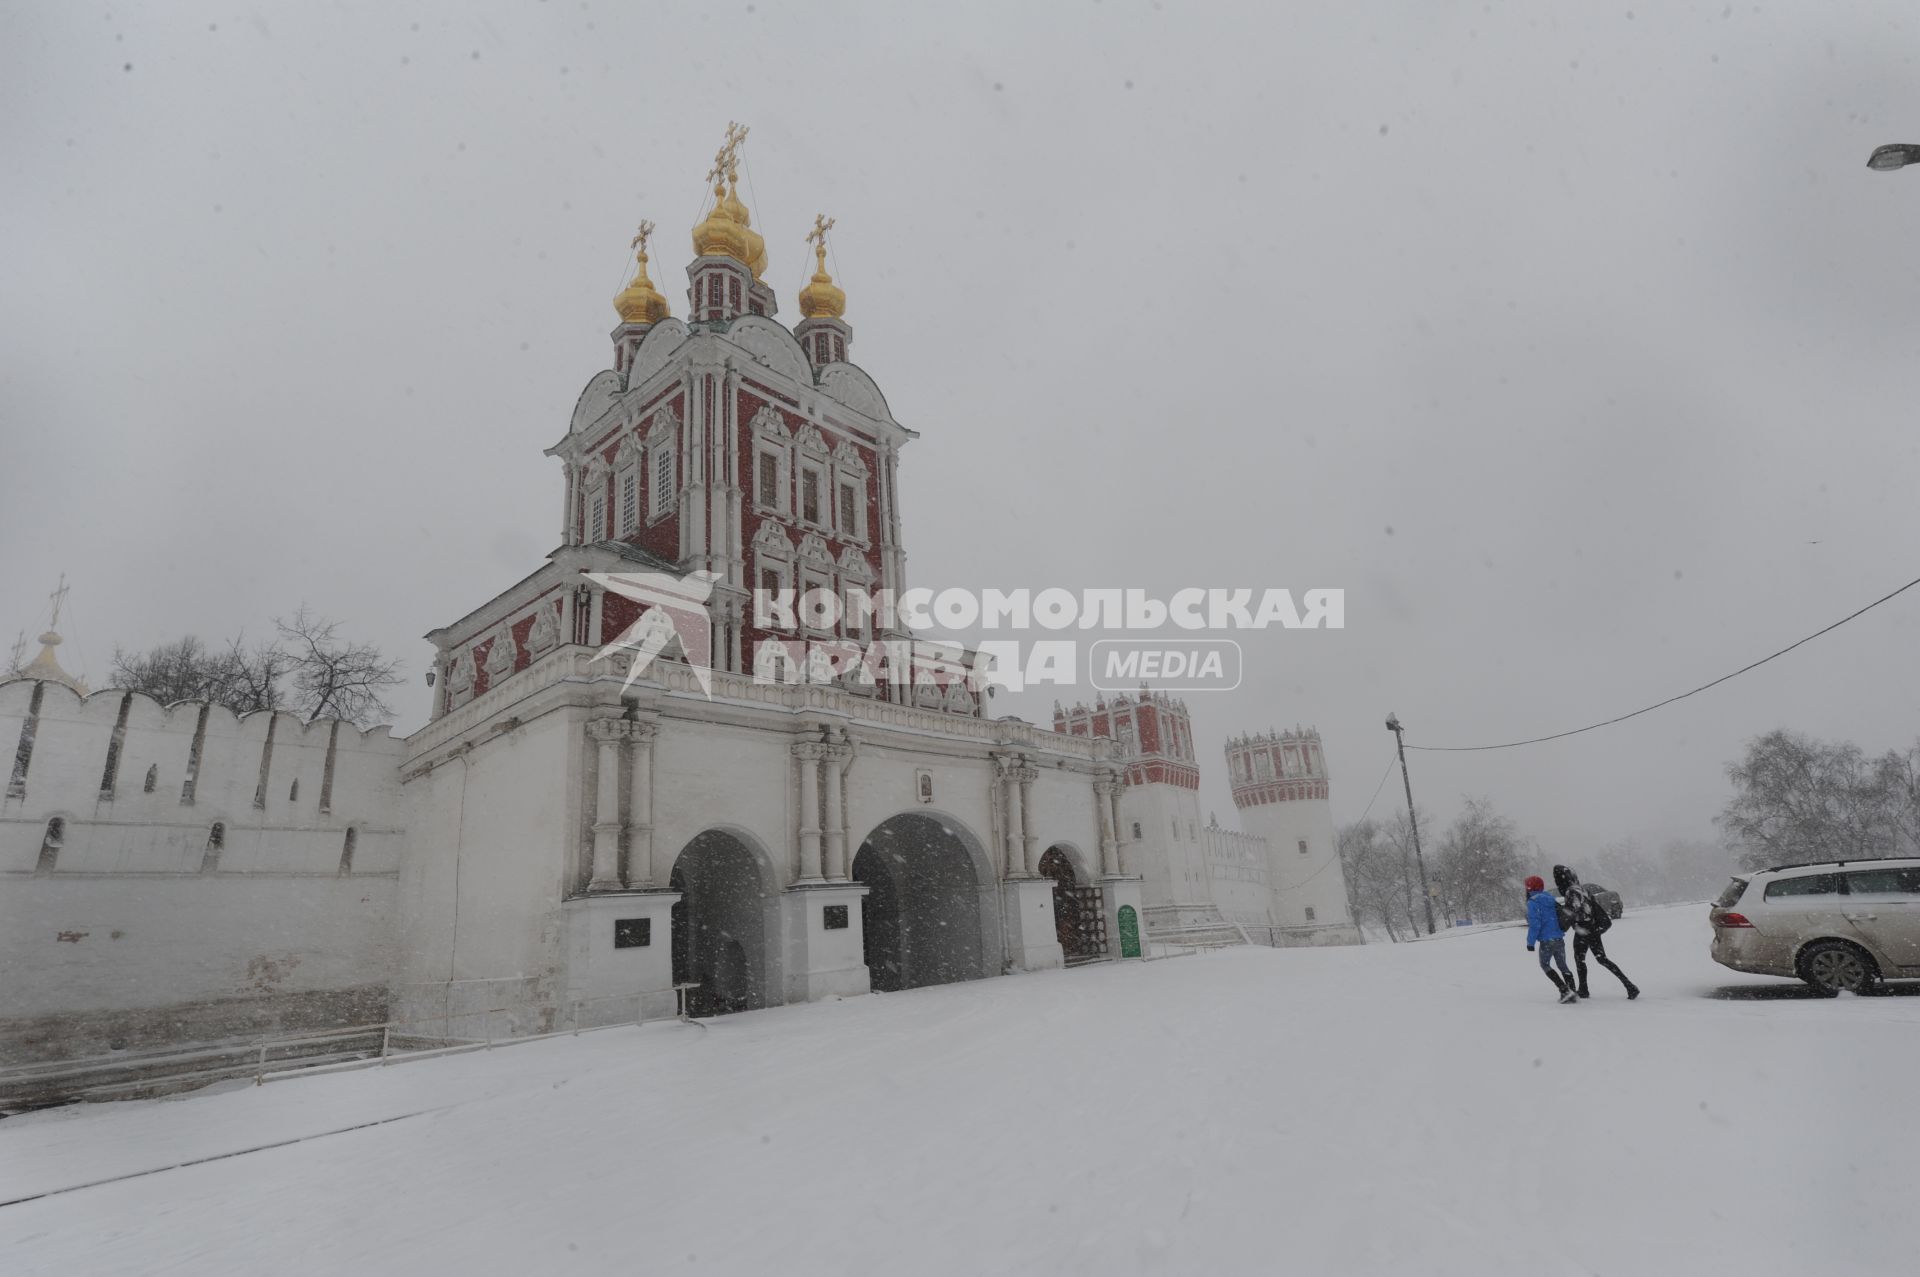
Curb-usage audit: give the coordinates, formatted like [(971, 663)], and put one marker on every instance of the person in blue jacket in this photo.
[(1543, 929)]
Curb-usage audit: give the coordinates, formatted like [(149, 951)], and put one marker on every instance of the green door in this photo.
[(1129, 932)]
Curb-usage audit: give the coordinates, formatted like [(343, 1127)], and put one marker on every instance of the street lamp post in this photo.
[(1894, 155), (1413, 820)]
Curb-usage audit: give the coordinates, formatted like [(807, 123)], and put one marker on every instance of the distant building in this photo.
[(1280, 880)]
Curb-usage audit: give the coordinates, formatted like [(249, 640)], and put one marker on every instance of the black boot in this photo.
[(1633, 990), (1583, 989)]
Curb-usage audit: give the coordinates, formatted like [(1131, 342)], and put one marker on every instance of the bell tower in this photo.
[(729, 255)]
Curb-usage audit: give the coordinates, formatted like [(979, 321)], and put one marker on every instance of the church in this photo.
[(579, 836)]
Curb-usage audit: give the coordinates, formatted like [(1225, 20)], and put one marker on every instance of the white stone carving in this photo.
[(544, 634), (500, 656)]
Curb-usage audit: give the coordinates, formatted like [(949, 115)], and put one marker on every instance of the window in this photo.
[(663, 492), (153, 779), (293, 791), (810, 495), (346, 851), (1807, 885), (1309, 913), (1136, 831), (632, 933), (768, 487), (834, 917), (629, 501), (1263, 766), (1884, 882), (1303, 846), (597, 517), (1731, 896), (216, 843), (849, 511), (50, 845)]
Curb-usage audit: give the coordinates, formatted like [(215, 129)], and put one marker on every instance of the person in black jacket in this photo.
[(1590, 922)]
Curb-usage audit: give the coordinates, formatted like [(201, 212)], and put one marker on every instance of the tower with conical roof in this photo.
[(823, 331)]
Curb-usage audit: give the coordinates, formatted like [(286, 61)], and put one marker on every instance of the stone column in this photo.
[(1016, 835), (809, 754), (640, 815), (607, 733), (1029, 859), (836, 759), (1109, 850)]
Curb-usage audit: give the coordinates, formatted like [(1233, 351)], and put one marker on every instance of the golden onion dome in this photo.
[(756, 246), (722, 235), (640, 302), (822, 298)]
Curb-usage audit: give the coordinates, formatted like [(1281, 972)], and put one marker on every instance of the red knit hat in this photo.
[(1536, 883)]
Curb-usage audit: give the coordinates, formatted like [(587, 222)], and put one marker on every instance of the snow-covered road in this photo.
[(1422, 1108)]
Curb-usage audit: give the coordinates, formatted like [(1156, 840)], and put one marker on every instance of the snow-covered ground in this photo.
[(1406, 1109)]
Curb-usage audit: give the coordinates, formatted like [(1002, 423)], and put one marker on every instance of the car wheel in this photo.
[(1833, 966)]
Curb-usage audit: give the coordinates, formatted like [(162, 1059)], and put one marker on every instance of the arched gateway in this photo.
[(720, 925), (1079, 916), (922, 918)]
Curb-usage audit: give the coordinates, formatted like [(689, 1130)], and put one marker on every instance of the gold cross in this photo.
[(818, 235), (640, 240), (59, 597)]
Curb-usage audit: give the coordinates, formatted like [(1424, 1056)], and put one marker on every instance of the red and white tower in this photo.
[(1161, 834), (1279, 784)]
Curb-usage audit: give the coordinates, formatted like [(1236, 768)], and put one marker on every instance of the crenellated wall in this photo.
[(130, 920)]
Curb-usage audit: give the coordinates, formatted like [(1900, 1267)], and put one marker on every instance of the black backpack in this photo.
[(1563, 916), (1597, 920)]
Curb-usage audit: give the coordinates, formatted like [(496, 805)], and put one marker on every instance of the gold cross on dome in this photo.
[(640, 240), (818, 235), (59, 597)]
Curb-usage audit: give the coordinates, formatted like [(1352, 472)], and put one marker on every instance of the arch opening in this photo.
[(1079, 912), (921, 917), (719, 925)]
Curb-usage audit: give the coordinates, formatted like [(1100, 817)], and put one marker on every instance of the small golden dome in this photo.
[(640, 302), (721, 235), (822, 298)]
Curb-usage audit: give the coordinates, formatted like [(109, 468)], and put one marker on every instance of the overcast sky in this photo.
[(1575, 342)]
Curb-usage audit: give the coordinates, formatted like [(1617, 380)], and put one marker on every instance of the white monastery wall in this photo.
[(1237, 872), (134, 922)]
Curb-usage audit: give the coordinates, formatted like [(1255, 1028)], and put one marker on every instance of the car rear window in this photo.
[(1884, 882), (1806, 885), (1731, 896)]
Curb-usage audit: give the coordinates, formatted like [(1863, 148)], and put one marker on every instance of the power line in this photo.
[(1463, 749), (1379, 787)]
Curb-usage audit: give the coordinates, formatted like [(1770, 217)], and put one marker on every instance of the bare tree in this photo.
[(1478, 866), (1798, 799), (188, 670), (330, 677), (308, 669), (1372, 868)]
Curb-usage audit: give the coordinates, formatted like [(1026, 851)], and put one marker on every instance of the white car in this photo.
[(1838, 925)]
